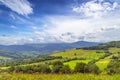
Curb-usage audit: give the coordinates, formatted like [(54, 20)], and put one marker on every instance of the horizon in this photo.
[(58, 21), (50, 43)]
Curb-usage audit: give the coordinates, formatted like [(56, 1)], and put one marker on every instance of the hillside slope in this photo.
[(32, 50)]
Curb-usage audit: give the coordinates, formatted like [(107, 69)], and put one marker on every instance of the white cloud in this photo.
[(13, 40), (70, 29), (73, 28), (95, 8), (22, 7), (20, 20), (87, 29)]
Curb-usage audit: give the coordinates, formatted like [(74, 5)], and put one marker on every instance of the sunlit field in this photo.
[(20, 76)]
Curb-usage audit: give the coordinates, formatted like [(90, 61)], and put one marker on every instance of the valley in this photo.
[(100, 56)]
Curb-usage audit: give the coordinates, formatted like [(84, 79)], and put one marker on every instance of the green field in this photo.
[(20, 76), (88, 55), (74, 53), (72, 64), (79, 53), (102, 64)]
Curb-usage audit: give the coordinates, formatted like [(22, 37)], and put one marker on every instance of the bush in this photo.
[(11, 69), (114, 57), (92, 68), (56, 68), (65, 69), (42, 68), (113, 67), (57, 65), (80, 67), (31, 69)]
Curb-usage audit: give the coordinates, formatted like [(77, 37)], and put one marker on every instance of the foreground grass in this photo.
[(6, 76)]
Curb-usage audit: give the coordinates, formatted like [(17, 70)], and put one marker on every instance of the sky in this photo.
[(56, 21)]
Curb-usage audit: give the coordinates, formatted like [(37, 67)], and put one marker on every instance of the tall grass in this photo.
[(20, 76)]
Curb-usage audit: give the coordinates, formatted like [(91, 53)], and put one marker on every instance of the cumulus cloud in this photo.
[(22, 7), (71, 29), (14, 40), (95, 8)]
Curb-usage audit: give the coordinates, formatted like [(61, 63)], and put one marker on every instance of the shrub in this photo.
[(11, 69), (113, 67), (65, 69), (57, 65), (92, 68), (80, 67), (31, 69), (56, 68)]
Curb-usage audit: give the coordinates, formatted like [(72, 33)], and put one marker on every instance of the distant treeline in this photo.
[(103, 46)]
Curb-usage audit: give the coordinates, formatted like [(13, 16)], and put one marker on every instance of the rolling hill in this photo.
[(100, 57), (32, 50)]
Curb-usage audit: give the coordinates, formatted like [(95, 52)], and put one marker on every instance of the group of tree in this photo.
[(114, 65), (56, 67)]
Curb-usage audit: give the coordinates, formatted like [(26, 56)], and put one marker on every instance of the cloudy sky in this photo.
[(55, 21)]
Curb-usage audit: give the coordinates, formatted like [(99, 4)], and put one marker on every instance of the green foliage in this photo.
[(92, 68), (113, 67), (90, 61), (55, 63), (80, 67), (57, 66), (11, 69), (65, 69), (30, 69)]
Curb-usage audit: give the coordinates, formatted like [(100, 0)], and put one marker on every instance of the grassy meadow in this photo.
[(79, 53), (69, 54), (21, 76)]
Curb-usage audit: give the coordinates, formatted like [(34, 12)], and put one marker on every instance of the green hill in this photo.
[(100, 57)]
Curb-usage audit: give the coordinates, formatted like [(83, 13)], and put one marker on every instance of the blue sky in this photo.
[(51, 21)]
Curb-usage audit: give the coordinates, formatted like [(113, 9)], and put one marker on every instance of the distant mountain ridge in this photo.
[(46, 48)]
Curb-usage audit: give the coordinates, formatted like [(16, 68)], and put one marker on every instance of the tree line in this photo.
[(56, 67)]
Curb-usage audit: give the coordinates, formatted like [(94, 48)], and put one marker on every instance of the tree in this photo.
[(113, 67), (92, 68), (65, 69), (80, 67), (75, 54), (57, 65), (11, 69)]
